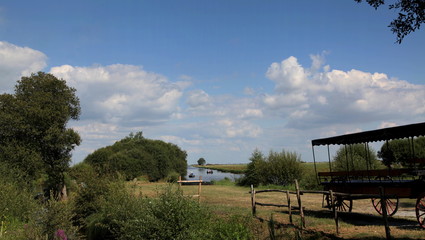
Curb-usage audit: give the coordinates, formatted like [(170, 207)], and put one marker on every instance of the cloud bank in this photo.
[(16, 61), (306, 103), (316, 96)]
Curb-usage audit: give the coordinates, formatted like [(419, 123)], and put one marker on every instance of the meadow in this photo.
[(227, 200)]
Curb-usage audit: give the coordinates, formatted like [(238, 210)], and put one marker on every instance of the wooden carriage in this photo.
[(403, 182)]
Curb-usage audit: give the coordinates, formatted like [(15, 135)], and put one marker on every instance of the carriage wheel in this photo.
[(420, 210), (341, 204), (391, 204)]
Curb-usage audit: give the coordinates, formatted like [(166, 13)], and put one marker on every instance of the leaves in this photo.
[(33, 125), (410, 17)]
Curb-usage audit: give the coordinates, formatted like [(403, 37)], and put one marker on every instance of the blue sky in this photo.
[(219, 78)]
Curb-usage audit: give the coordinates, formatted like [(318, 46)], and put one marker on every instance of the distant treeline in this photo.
[(136, 156)]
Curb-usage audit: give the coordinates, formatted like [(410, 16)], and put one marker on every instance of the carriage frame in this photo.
[(406, 182)]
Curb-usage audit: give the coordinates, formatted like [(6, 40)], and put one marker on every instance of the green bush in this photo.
[(16, 200), (170, 215), (52, 221), (278, 168), (173, 177)]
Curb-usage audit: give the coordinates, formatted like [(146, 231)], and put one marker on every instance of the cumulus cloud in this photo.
[(310, 96), (198, 99), (123, 93), (16, 61)]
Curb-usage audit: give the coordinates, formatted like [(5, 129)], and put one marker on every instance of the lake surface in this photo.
[(216, 176)]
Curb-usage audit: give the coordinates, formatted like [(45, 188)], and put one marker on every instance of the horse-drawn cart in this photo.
[(403, 182)]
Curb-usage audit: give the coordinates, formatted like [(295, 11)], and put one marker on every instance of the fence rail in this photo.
[(180, 181), (331, 196)]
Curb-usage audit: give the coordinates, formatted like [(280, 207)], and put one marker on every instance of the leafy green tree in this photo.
[(202, 161), (254, 172), (410, 17), (354, 157), (33, 126), (400, 151), (135, 156)]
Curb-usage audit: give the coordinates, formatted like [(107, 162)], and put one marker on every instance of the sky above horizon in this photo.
[(219, 78)]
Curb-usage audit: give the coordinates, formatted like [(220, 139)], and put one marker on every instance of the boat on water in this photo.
[(210, 171), (191, 175)]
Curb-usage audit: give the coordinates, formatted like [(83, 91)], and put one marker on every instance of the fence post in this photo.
[(289, 206), (180, 181), (253, 200), (384, 212), (199, 189), (335, 212), (300, 205)]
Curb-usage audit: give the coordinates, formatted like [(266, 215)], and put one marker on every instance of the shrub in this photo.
[(277, 168), (170, 215), (19, 201), (54, 221), (173, 177)]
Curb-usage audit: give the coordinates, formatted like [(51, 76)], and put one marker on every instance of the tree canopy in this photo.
[(354, 157), (410, 17), (33, 133), (401, 151), (135, 156), (202, 161)]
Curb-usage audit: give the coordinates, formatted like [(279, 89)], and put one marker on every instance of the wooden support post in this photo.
[(253, 200), (289, 206), (180, 181), (384, 212), (199, 189), (335, 212), (300, 205)]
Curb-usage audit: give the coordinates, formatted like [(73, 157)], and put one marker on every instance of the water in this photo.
[(216, 176)]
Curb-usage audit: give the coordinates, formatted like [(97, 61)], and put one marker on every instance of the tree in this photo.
[(33, 133), (410, 17), (201, 161), (136, 156), (354, 157), (254, 172), (401, 151)]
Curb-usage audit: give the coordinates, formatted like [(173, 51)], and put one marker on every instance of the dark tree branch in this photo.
[(410, 17)]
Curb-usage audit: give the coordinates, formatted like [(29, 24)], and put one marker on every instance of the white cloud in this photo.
[(122, 93), (288, 75), (18, 61), (198, 99), (327, 97)]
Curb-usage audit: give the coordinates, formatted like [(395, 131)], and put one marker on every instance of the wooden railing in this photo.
[(333, 206), (180, 181)]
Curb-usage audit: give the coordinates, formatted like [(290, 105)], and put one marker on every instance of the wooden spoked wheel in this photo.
[(420, 209), (341, 204), (391, 204)]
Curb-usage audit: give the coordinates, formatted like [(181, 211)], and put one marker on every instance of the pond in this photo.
[(216, 176)]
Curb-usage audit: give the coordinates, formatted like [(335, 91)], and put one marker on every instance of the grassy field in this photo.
[(231, 168), (363, 223), (241, 168)]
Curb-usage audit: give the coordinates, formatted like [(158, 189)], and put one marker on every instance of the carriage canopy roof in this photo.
[(412, 130)]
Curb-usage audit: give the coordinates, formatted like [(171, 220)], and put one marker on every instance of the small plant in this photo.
[(4, 225)]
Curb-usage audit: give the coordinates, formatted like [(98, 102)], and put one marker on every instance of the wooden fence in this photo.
[(333, 205), (180, 181)]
